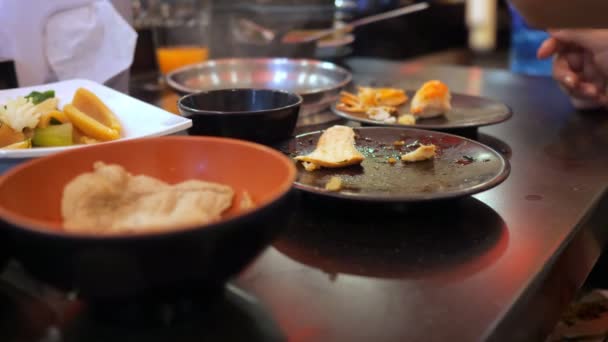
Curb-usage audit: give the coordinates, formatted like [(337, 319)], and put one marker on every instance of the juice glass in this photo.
[(182, 41)]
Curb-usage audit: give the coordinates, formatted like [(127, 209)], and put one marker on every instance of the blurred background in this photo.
[(486, 33), (175, 33)]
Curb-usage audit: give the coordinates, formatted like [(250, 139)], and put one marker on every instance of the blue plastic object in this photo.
[(525, 41)]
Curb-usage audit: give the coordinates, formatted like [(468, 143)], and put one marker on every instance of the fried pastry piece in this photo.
[(423, 152), (368, 98), (432, 99), (382, 96), (349, 102), (347, 97), (110, 200), (335, 148)]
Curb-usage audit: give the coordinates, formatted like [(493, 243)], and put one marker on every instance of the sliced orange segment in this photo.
[(9, 136), (89, 104), (89, 126)]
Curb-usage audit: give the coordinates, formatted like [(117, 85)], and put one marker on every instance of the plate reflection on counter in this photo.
[(448, 241)]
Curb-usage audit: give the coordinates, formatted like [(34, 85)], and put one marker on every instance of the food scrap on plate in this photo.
[(35, 120), (431, 100), (334, 184), (378, 103), (423, 152), (335, 148), (110, 200), (384, 104)]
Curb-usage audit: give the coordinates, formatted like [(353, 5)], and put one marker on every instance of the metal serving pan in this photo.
[(319, 83)]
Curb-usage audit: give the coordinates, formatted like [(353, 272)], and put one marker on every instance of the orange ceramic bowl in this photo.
[(147, 263)]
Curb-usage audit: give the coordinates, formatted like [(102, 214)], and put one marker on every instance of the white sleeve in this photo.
[(21, 36), (91, 41), (7, 48)]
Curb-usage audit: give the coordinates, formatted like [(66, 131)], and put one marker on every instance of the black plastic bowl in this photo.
[(260, 115)]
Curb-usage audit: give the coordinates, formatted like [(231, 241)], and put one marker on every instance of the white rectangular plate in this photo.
[(138, 119)]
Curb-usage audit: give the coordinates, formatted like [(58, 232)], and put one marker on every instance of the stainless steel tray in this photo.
[(319, 83)]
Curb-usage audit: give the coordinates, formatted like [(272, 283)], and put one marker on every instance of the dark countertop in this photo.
[(497, 266)]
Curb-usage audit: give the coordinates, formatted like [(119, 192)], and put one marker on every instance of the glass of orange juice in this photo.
[(182, 39)]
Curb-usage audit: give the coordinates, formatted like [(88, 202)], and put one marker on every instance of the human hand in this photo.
[(580, 65)]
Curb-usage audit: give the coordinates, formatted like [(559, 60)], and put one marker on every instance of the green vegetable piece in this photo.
[(57, 135), (38, 97), (54, 121)]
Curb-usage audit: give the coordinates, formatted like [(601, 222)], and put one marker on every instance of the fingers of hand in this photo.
[(579, 96), (587, 92), (575, 58), (592, 74), (548, 48), (600, 60), (577, 67), (573, 83), (564, 74), (579, 37), (573, 54)]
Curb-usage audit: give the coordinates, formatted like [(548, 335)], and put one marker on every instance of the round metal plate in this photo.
[(467, 111), (319, 83), (462, 167)]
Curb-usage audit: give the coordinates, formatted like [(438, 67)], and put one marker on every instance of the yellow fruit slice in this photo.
[(9, 136), (87, 141), (45, 119), (19, 145), (89, 104), (90, 126)]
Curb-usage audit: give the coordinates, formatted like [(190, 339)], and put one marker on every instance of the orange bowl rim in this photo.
[(35, 226)]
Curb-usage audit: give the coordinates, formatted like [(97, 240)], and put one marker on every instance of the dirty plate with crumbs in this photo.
[(467, 112), (461, 167)]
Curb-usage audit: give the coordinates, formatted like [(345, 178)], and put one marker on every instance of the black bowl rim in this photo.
[(277, 60), (40, 230), (182, 107)]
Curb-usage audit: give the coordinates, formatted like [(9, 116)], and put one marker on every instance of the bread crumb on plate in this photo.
[(335, 148), (406, 119), (424, 152), (334, 184)]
